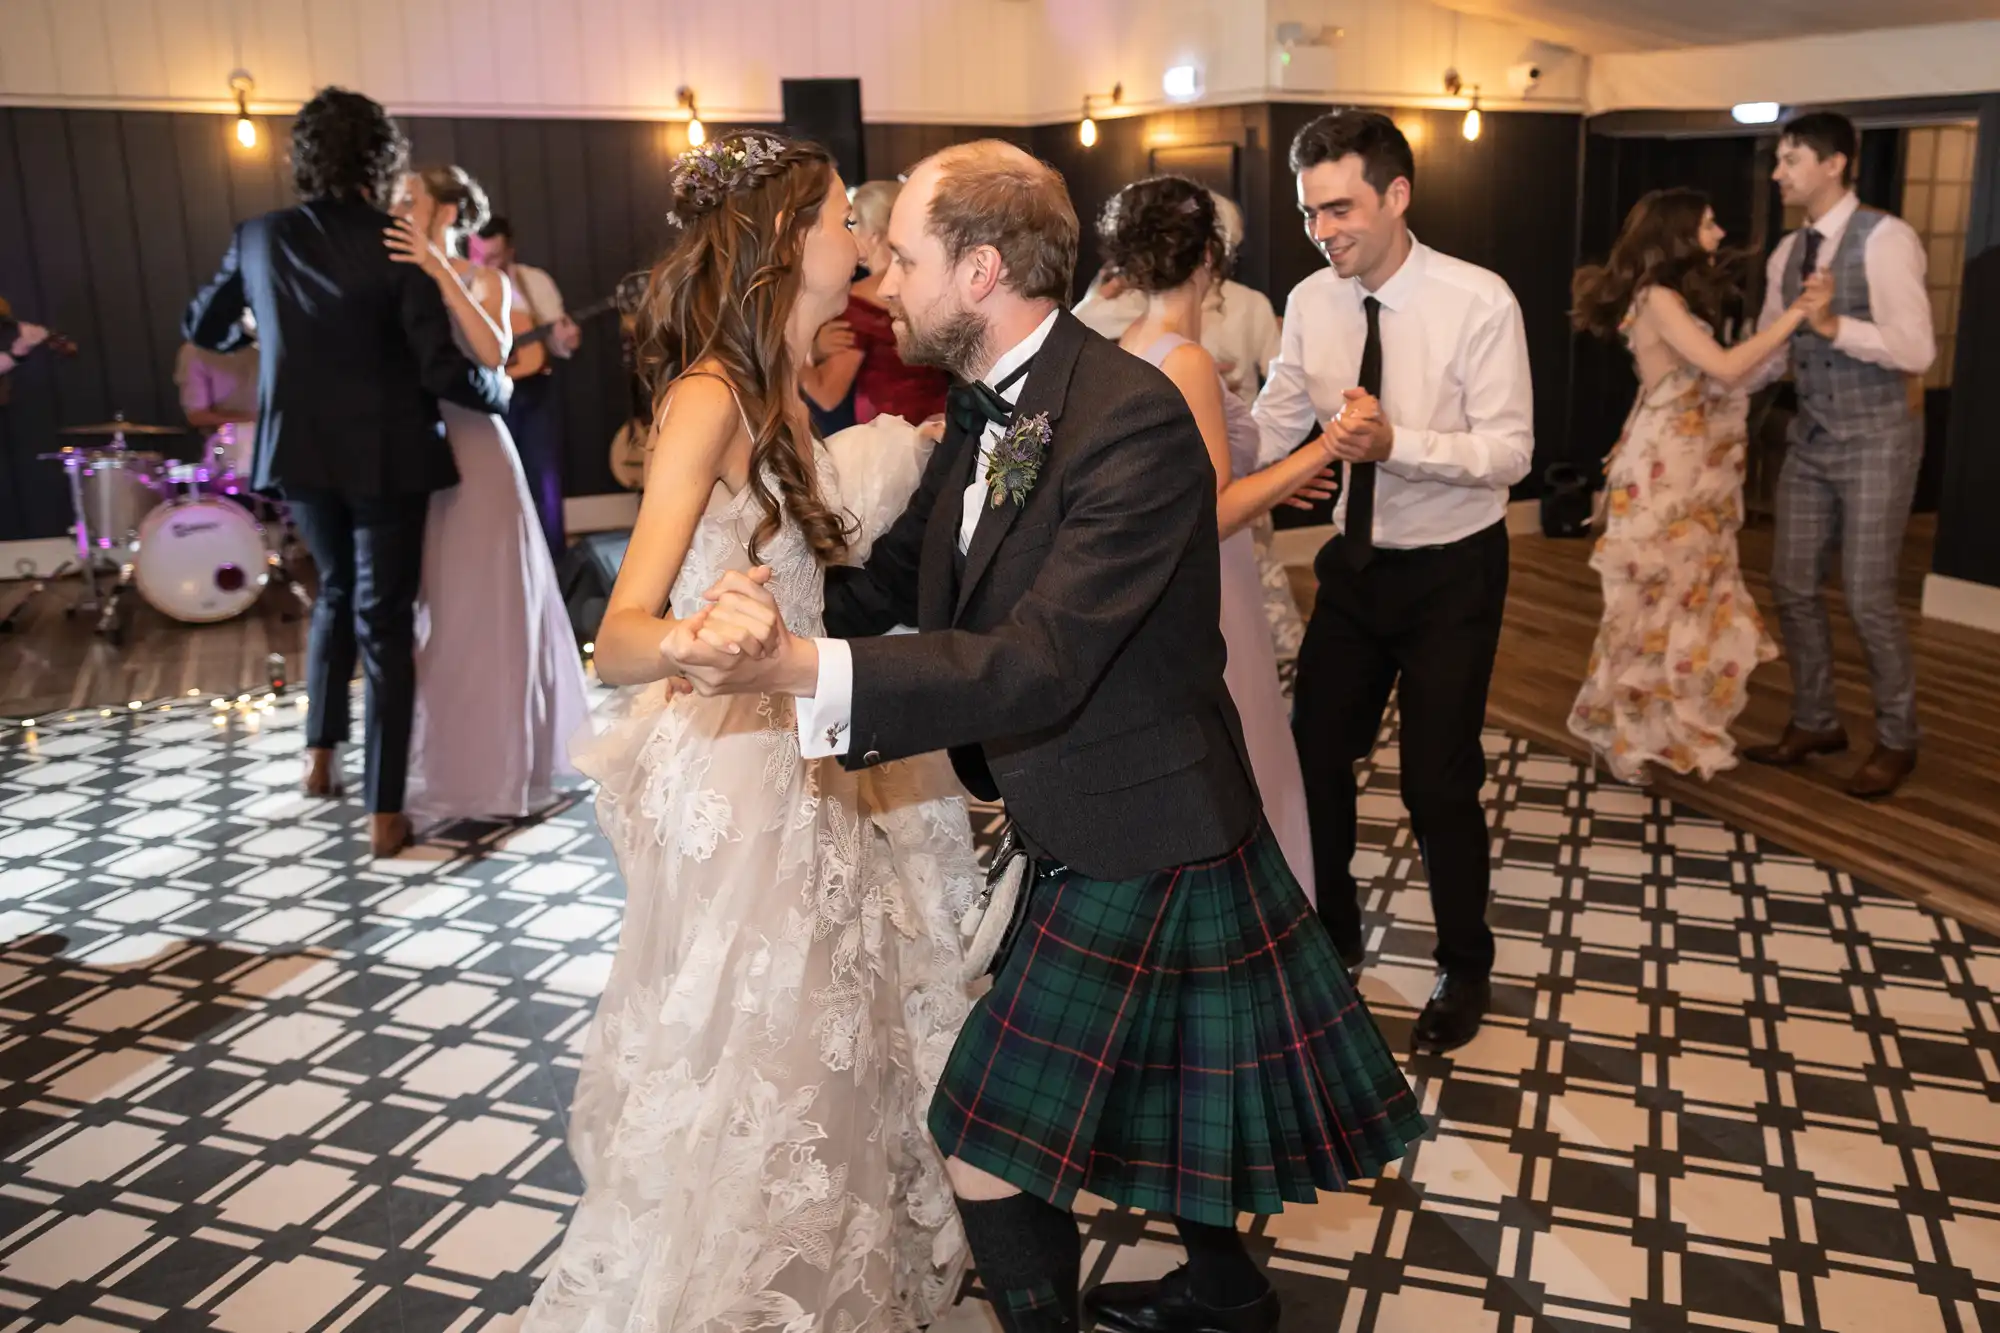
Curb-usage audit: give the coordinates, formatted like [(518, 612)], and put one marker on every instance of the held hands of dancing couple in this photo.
[(739, 644)]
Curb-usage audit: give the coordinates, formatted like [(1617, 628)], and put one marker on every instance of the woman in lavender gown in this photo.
[(1162, 237), (500, 685)]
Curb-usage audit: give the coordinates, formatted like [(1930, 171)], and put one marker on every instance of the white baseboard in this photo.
[(1298, 546), (601, 513), (36, 558), (1962, 602)]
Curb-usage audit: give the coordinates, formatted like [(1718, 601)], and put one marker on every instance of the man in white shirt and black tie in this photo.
[(1416, 366), (1855, 449)]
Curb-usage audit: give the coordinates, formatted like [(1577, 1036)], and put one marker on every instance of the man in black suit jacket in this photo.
[(1060, 558), (356, 352)]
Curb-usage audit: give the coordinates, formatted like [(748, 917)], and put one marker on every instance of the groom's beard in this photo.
[(955, 344)]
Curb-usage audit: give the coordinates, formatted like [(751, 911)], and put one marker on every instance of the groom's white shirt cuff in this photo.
[(824, 719)]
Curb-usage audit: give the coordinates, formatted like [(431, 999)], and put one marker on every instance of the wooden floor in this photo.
[(52, 662), (1937, 841)]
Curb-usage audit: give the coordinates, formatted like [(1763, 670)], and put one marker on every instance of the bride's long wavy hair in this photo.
[(724, 293), (1659, 246)]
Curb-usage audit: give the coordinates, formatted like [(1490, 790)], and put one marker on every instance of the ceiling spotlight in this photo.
[(697, 132), (241, 84), (1755, 113), (1086, 133)]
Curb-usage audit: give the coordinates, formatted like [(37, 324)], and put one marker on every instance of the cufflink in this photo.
[(833, 736)]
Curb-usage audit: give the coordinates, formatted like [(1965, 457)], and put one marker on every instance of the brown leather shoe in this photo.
[(1796, 746), (388, 834), (322, 773), (1882, 774)]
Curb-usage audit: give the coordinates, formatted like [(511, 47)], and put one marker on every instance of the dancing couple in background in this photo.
[(379, 396), (1680, 636), (1847, 309), (1169, 1028)]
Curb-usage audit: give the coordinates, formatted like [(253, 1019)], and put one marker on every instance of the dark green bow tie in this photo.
[(972, 406)]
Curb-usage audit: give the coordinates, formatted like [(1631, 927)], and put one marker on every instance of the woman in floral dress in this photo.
[(1680, 634)]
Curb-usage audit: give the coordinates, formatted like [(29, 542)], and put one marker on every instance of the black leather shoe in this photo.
[(1169, 1306), (1457, 1007)]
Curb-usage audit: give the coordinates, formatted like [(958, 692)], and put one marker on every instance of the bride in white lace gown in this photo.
[(750, 1119)]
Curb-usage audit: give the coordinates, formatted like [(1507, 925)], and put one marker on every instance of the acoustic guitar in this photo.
[(531, 354), (56, 344)]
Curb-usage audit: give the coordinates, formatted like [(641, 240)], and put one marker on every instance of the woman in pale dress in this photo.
[(749, 1120), (1240, 330), (1161, 237), (500, 683), (1680, 636)]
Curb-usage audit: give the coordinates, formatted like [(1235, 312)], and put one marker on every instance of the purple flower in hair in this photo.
[(705, 176)]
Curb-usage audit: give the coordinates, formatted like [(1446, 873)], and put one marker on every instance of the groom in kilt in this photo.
[(1169, 1026)]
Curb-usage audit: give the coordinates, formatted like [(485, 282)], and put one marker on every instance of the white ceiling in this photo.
[(1652, 25)]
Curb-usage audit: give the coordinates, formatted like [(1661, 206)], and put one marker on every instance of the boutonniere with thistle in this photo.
[(1016, 461)]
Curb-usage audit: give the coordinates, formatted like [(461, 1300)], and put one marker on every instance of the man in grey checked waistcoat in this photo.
[(1856, 444)]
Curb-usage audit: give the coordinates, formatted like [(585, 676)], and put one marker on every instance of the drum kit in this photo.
[(192, 538)]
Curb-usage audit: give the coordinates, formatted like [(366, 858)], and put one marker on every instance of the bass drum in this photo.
[(201, 561)]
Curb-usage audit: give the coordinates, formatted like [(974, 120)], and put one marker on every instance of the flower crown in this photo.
[(705, 176)]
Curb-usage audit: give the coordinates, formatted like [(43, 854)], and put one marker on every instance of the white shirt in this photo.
[(1901, 335), (538, 293), (1455, 387), (825, 720), (1238, 327)]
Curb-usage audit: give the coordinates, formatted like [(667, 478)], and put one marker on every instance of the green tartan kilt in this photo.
[(1183, 1043)]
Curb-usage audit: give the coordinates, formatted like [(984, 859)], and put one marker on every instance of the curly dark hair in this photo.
[(1158, 233), (1659, 246), (345, 146)]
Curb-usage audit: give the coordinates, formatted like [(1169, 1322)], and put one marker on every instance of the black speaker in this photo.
[(828, 111), (1567, 497), (586, 572)]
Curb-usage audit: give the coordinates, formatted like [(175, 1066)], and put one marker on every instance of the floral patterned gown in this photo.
[(1680, 634), (750, 1117)]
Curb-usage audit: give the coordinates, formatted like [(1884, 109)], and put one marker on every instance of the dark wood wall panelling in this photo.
[(128, 212), (109, 222)]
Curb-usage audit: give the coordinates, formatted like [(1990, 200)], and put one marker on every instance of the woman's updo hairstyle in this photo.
[(1157, 234), (455, 186)]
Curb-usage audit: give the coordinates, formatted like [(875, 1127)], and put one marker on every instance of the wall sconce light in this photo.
[(1756, 113), (697, 133), (241, 84), (1086, 133), (1474, 122)]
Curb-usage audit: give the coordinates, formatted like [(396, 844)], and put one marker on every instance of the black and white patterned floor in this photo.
[(252, 1081)]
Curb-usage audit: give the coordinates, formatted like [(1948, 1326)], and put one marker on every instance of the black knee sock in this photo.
[(1220, 1268), (1030, 1260)]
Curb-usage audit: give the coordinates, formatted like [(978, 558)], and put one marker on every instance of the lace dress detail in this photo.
[(750, 1116)]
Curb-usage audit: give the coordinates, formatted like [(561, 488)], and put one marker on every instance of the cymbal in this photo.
[(123, 428)]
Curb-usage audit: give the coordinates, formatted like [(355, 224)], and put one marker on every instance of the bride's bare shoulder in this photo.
[(698, 416)]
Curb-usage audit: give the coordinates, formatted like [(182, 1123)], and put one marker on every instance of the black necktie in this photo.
[(972, 406), (1360, 528), (1811, 266)]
